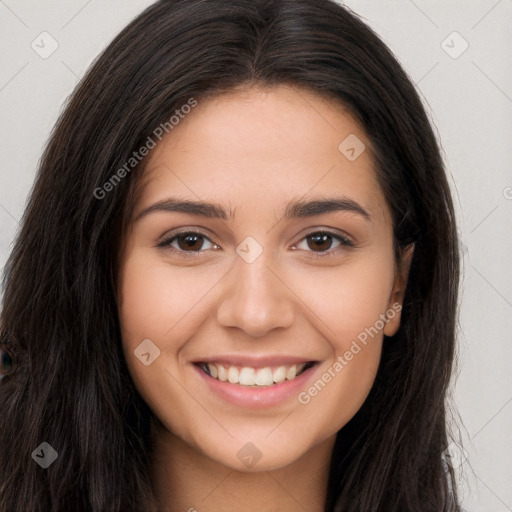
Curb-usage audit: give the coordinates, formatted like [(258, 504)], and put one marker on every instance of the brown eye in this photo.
[(188, 241), (322, 241)]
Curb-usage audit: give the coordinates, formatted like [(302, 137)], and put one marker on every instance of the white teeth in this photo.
[(280, 374), (233, 374), (248, 376), (222, 373), (291, 373), (264, 377), (212, 368)]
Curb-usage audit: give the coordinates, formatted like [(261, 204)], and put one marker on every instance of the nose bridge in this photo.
[(255, 299)]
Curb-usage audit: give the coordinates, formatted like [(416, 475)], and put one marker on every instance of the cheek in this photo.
[(349, 299), (166, 305), (157, 304), (348, 304), (157, 300)]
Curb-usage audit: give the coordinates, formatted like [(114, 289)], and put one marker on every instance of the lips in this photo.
[(254, 375), (250, 381)]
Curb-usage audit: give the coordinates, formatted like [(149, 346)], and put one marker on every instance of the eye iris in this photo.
[(322, 241), (192, 241)]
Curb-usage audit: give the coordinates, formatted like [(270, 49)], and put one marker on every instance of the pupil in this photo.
[(323, 240), (190, 240)]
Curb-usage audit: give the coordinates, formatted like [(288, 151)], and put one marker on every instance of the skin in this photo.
[(253, 151)]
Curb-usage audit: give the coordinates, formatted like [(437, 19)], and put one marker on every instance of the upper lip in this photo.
[(255, 361)]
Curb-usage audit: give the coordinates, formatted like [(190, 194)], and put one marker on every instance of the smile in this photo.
[(254, 377)]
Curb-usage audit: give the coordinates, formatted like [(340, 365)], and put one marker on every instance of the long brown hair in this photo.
[(72, 389)]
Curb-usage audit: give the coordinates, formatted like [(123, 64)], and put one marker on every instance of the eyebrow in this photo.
[(295, 209)]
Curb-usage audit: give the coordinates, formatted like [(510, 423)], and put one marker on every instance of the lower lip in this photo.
[(257, 397)]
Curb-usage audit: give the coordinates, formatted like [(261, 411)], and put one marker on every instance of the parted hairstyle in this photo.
[(72, 388)]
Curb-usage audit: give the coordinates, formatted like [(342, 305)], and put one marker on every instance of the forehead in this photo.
[(256, 147)]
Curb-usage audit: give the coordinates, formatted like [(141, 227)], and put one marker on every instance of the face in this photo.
[(258, 277)]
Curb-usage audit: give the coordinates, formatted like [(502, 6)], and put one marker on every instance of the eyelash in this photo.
[(344, 242)]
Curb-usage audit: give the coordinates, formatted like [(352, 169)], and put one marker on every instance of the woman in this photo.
[(236, 280)]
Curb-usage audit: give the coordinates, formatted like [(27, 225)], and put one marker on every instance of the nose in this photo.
[(256, 299)]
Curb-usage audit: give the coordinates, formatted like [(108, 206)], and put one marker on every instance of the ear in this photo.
[(393, 312)]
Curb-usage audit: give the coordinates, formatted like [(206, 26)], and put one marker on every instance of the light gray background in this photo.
[(469, 99)]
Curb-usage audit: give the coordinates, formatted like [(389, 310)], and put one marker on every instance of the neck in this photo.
[(184, 479)]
